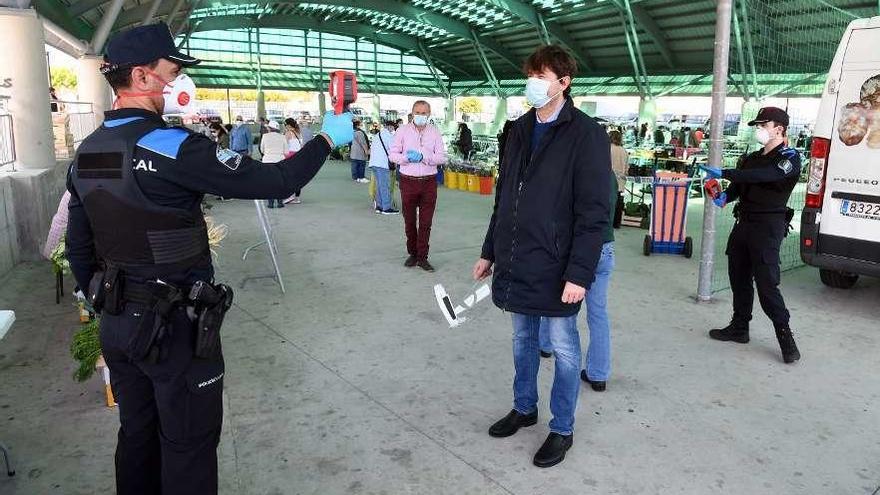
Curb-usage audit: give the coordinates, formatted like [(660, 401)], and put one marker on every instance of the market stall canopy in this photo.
[(445, 46)]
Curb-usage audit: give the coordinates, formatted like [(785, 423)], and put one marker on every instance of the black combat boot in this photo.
[(790, 352), (734, 332)]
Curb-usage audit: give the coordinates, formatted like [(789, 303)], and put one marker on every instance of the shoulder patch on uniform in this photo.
[(165, 142), (228, 158), (785, 165)]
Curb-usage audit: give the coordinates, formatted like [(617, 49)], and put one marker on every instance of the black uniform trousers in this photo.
[(170, 412), (753, 257)]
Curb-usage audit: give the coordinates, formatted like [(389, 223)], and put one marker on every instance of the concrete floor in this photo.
[(352, 382)]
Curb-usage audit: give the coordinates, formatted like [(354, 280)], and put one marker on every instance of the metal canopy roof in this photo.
[(482, 43)]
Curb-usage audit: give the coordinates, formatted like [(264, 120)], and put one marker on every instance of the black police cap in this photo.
[(767, 114), (143, 45)]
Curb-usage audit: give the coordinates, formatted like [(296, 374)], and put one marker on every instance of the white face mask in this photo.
[(420, 120), (762, 135), (179, 95), (536, 92)]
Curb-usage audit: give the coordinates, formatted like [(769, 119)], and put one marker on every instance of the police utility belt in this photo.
[(764, 216), (205, 303)]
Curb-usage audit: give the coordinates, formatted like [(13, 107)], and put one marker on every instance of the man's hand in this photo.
[(482, 269), (711, 172), (413, 156), (573, 293)]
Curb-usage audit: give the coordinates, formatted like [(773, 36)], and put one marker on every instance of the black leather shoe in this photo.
[(424, 265), (553, 451), (734, 332), (597, 386), (545, 354), (790, 352), (410, 262), (510, 424)]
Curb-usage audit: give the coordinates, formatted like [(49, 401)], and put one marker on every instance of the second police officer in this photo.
[(137, 238), (761, 183)]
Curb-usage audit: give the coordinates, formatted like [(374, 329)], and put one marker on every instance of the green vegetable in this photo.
[(86, 349), (59, 260)]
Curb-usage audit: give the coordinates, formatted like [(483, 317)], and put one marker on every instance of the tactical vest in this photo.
[(766, 197), (131, 231)]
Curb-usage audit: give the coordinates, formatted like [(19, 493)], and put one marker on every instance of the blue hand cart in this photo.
[(667, 234)]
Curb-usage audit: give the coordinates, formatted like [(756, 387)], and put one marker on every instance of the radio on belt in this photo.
[(343, 90)]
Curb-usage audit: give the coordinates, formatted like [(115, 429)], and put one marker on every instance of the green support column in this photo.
[(500, 115), (648, 112), (261, 104), (750, 108), (449, 118), (377, 106), (322, 103)]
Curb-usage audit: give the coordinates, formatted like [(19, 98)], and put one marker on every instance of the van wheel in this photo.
[(646, 246), (838, 280), (688, 247)]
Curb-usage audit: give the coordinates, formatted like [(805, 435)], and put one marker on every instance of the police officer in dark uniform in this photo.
[(762, 182), (137, 239)]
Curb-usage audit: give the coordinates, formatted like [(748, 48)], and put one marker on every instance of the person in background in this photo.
[(643, 132), (240, 139), (699, 135), (545, 238), (597, 365), (294, 136), (273, 148), (220, 135), (659, 136), (418, 149), (502, 141), (306, 131), (465, 141), (54, 106), (382, 168), (360, 152), (619, 166)]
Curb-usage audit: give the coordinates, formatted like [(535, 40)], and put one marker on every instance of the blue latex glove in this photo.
[(414, 156), (711, 172), (338, 128), (720, 200)]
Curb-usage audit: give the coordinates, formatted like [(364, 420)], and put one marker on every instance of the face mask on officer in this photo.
[(763, 134), (177, 95)]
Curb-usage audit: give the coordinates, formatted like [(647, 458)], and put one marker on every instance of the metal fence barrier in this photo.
[(82, 119), (7, 139)]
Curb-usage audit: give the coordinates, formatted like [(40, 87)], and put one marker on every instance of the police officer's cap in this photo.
[(141, 46), (768, 114)]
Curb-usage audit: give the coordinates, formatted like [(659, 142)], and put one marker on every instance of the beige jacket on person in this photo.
[(273, 146), (619, 164)]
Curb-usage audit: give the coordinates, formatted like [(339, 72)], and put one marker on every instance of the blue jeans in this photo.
[(358, 169), (563, 335), (598, 363), (383, 188)]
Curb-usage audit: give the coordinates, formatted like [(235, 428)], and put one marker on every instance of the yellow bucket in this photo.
[(451, 179), (463, 181), (473, 183)]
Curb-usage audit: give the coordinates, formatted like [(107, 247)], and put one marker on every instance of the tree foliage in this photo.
[(470, 105), (63, 77)]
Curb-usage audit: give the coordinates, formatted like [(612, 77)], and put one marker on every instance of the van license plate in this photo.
[(860, 209)]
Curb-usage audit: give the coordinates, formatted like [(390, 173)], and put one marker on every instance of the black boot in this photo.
[(510, 424), (553, 451), (790, 352), (734, 332)]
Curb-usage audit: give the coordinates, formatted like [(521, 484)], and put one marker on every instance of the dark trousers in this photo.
[(618, 211), (170, 412), (358, 169), (419, 197), (753, 257)]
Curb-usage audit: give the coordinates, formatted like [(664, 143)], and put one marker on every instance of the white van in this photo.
[(840, 225)]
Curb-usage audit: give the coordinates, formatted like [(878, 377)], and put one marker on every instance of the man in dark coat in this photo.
[(551, 211)]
